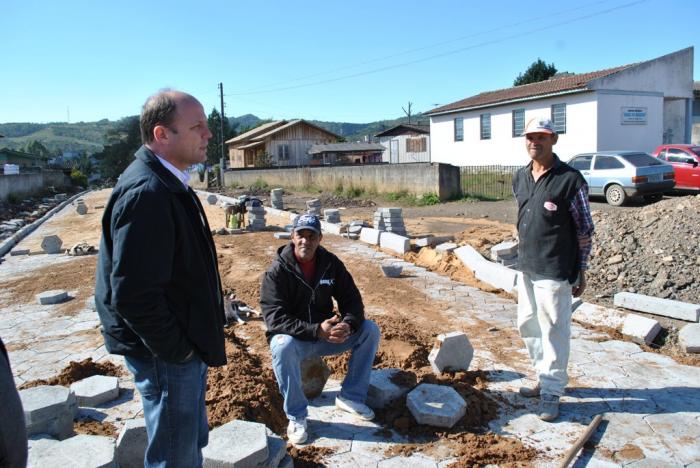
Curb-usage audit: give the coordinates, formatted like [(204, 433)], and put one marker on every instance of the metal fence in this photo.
[(487, 182)]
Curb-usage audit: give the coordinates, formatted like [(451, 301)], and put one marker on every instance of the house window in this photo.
[(485, 126), (559, 117), (518, 122), (416, 145), (459, 129), (283, 152)]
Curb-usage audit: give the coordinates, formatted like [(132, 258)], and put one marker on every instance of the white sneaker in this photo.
[(296, 431), (353, 407)]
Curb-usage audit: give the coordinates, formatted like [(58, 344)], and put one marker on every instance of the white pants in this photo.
[(544, 321)]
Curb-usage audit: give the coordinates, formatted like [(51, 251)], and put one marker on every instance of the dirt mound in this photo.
[(91, 427), (77, 370), (308, 457), (653, 251)]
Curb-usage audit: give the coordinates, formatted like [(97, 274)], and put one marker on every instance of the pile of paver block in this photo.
[(331, 216), (390, 220), (80, 207), (51, 244), (49, 410), (355, 228), (276, 198), (313, 207), (436, 405), (505, 253), (255, 216), (452, 352)]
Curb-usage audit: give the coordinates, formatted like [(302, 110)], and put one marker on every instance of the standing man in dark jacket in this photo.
[(554, 230), (297, 303), (158, 291)]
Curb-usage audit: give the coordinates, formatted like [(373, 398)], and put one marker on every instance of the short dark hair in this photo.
[(159, 109)]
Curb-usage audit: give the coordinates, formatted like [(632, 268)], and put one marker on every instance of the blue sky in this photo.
[(352, 61)]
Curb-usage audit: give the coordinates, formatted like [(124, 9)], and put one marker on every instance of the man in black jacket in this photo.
[(297, 303), (158, 292)]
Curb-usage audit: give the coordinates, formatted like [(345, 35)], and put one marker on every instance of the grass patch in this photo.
[(260, 184), (406, 198)]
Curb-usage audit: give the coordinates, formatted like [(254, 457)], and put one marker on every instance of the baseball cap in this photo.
[(308, 221), (539, 125)]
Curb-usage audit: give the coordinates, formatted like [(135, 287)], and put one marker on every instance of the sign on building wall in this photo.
[(633, 115)]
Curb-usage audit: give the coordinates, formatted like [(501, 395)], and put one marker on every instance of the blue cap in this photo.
[(308, 221)]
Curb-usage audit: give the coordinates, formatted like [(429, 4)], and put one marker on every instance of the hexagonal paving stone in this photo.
[(314, 375), (212, 199), (689, 338), (81, 451), (81, 209), (452, 352), (382, 391), (51, 244), (95, 390), (250, 447), (132, 443), (49, 409), (436, 405)]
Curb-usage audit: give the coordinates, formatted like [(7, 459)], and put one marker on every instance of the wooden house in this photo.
[(278, 143), (405, 143)]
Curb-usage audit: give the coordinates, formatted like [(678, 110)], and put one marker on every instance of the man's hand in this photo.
[(577, 290), (334, 331)]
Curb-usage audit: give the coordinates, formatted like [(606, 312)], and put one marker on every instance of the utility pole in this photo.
[(408, 112), (221, 137)]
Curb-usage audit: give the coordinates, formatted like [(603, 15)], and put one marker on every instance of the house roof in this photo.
[(21, 154), (565, 83), (264, 131), (345, 147), (405, 128), (251, 145)]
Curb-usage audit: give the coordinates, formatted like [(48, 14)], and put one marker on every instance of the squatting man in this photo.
[(297, 304)]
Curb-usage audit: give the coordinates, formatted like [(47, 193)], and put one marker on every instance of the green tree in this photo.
[(123, 142), (538, 71), (83, 163), (37, 148), (214, 146)]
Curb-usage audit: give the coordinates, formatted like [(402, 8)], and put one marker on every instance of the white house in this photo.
[(405, 143), (631, 107)]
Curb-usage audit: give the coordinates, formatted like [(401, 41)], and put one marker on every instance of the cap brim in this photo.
[(300, 228), (540, 130)]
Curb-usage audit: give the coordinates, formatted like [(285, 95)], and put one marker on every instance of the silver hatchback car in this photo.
[(618, 175)]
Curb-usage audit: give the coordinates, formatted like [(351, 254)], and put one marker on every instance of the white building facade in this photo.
[(634, 107)]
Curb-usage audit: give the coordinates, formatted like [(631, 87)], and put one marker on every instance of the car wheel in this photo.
[(653, 198), (615, 195)]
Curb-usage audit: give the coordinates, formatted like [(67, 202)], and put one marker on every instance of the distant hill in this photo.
[(90, 136)]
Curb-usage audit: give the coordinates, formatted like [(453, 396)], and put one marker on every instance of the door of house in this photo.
[(394, 152)]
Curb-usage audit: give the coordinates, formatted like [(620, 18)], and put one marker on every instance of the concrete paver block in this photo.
[(394, 242), (599, 316), (236, 444), (446, 247), (55, 296), (276, 449), (16, 252), (314, 375), (491, 273), (382, 390), (331, 228), (49, 410), (283, 235), (370, 235), (391, 271), (81, 451), (96, 390), (452, 352), (432, 241), (132, 443), (640, 329), (654, 305), (51, 244), (504, 250), (212, 199), (436, 405), (81, 209), (689, 338)]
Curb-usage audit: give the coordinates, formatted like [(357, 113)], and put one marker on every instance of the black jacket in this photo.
[(291, 306), (158, 290)]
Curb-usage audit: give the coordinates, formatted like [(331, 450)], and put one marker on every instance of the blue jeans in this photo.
[(288, 352), (173, 406), (13, 433)]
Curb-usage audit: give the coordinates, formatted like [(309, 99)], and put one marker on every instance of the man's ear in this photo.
[(160, 133), (555, 137)]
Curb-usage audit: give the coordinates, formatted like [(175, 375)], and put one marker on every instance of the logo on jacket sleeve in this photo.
[(549, 206), (327, 282)]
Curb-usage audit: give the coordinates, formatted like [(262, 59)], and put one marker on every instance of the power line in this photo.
[(444, 54)]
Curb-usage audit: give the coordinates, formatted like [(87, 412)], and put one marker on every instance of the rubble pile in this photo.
[(654, 251)]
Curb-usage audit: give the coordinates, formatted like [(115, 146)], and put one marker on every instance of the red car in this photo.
[(685, 160)]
